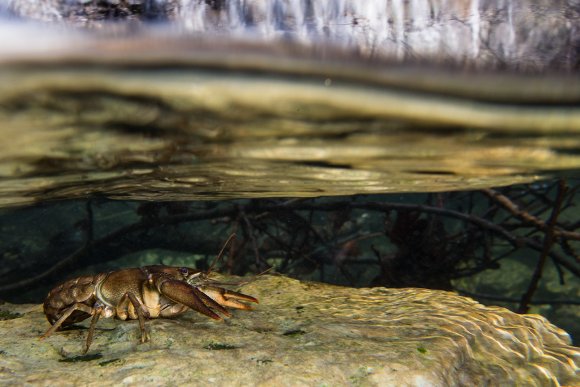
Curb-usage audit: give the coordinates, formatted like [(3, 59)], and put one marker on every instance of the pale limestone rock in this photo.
[(302, 334)]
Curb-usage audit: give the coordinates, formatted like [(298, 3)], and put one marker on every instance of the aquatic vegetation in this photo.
[(219, 346), (82, 358), (8, 315)]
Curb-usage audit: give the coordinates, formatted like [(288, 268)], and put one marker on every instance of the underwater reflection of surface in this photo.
[(195, 133)]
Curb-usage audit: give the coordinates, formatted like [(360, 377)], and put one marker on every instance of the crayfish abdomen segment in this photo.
[(78, 290)]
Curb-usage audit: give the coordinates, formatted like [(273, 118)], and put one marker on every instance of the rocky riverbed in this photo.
[(301, 334)]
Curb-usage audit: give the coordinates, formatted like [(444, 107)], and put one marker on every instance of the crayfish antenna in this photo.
[(231, 238)]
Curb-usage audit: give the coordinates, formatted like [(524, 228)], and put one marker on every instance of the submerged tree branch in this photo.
[(546, 247), (294, 229), (505, 202)]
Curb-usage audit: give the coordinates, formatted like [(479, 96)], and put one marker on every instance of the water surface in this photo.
[(243, 99)]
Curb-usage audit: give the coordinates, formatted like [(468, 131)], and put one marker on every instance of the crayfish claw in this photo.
[(210, 302), (240, 296), (185, 294), (228, 298)]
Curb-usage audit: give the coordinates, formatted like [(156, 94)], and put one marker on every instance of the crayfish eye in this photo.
[(183, 271)]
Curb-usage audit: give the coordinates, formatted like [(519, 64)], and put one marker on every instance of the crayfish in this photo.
[(138, 293)]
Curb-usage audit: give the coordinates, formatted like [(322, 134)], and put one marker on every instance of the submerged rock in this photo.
[(301, 333)]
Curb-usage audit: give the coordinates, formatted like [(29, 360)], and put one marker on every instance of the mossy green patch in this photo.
[(7, 315), (110, 361), (359, 378), (219, 346), (76, 359), (294, 332), (263, 361)]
